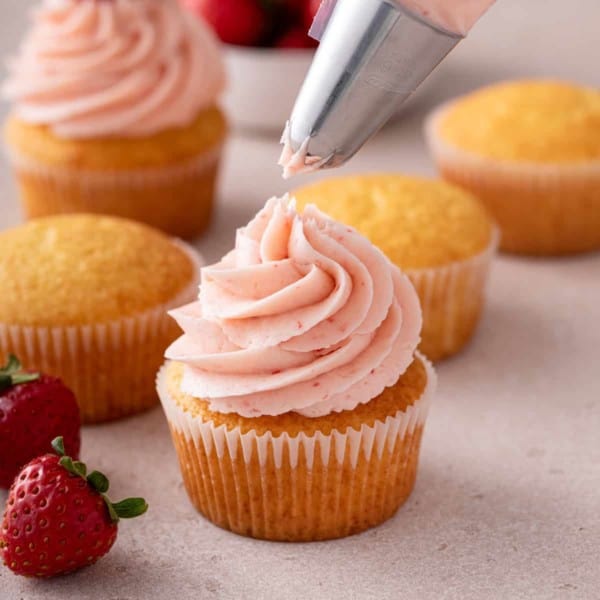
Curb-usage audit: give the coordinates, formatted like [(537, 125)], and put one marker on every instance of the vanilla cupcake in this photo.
[(438, 234), (295, 398), (115, 112), (530, 151), (84, 297)]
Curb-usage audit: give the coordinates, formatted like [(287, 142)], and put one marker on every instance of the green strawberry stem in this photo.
[(10, 374), (98, 481), (13, 364), (58, 445), (125, 509)]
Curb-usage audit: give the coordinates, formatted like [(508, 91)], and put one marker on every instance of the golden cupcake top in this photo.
[(532, 121), (78, 269), (406, 392), (416, 222), (169, 147)]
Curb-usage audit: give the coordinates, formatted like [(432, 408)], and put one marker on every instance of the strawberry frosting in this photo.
[(299, 161), (101, 68), (457, 16), (304, 315)]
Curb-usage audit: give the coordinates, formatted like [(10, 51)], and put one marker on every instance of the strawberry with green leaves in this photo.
[(34, 409), (58, 517)]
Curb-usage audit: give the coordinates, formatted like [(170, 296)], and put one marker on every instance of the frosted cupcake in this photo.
[(115, 112), (295, 398), (84, 297), (530, 151), (438, 234)]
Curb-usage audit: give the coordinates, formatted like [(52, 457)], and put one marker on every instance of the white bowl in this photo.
[(263, 85)]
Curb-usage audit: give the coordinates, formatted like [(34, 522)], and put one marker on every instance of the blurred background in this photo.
[(516, 519), (514, 39)]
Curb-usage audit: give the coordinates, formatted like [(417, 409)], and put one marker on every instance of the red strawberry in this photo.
[(58, 519), (34, 409), (240, 22), (296, 38)]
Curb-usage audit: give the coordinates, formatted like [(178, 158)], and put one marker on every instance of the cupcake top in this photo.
[(417, 222), (532, 121), (304, 315), (105, 68), (79, 269)]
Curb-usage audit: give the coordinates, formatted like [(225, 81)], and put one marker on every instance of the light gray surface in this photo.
[(508, 496)]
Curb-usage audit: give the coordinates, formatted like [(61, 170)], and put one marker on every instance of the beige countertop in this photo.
[(507, 503)]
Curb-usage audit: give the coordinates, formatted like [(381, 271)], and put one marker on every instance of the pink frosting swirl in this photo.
[(101, 68), (304, 315)]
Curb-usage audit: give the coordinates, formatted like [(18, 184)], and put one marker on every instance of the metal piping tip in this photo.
[(296, 162), (372, 56)]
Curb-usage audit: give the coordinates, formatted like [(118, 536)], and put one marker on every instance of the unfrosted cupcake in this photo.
[(295, 398), (115, 112), (438, 234), (530, 150), (84, 297)]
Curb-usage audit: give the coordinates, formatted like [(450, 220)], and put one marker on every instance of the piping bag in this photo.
[(372, 56)]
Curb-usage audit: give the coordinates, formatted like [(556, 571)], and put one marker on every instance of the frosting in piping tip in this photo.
[(457, 16), (296, 163), (304, 315), (120, 68)]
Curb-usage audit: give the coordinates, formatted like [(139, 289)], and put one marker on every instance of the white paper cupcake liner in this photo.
[(152, 176), (299, 487), (177, 199), (108, 365), (542, 209), (341, 444), (452, 297)]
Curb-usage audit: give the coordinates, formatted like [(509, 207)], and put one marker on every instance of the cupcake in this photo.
[(84, 298), (295, 398), (115, 113), (530, 150), (438, 234)]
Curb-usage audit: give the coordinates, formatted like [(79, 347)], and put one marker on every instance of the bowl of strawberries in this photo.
[(267, 52)]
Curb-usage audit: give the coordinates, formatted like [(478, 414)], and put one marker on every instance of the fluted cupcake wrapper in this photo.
[(541, 208), (109, 366), (177, 199), (303, 487), (452, 299)]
